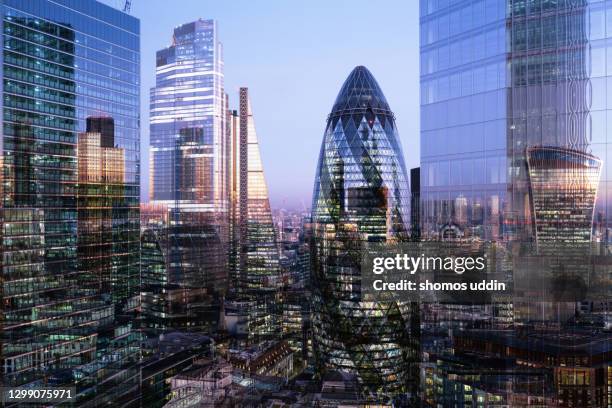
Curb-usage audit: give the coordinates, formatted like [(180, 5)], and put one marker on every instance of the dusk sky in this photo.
[(294, 57)]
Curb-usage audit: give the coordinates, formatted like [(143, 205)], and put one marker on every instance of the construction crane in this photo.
[(127, 6)]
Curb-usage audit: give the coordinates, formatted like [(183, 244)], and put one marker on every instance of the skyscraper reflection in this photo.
[(71, 219)]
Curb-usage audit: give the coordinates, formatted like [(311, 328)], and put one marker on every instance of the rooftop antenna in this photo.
[(127, 6)]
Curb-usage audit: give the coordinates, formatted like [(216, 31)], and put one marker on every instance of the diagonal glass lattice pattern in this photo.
[(361, 196)]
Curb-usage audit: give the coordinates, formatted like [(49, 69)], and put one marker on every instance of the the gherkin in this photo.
[(361, 196)]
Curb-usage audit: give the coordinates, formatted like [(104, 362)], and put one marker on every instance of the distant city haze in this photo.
[(294, 56)]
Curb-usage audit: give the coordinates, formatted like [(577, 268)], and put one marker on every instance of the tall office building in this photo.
[(153, 267), (563, 190), (255, 273), (102, 210), (105, 126), (71, 208), (361, 196), (498, 78), (189, 168), (514, 128)]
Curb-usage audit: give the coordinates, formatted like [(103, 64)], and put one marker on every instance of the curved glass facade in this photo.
[(563, 186), (361, 196)]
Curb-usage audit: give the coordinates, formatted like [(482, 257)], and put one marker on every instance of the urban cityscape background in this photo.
[(160, 250)]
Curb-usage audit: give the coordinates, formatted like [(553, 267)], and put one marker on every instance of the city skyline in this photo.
[(270, 62), (228, 205)]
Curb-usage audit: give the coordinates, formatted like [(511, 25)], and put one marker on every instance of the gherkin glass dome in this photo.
[(361, 196), (360, 91)]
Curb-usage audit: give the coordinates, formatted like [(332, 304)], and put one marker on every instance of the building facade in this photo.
[(189, 171), (67, 291), (255, 273), (361, 196), (415, 203), (563, 191), (497, 78), (514, 127)]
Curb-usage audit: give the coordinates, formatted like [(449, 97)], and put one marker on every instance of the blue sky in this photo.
[(294, 56)]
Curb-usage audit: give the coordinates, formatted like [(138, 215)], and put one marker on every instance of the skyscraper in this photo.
[(514, 128), (189, 167), (101, 208), (256, 272), (153, 266), (361, 196), (105, 126), (71, 222), (563, 190), (497, 78)]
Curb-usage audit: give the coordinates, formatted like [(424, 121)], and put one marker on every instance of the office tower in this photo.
[(497, 78), (66, 315), (105, 126), (361, 196), (563, 189), (514, 118), (255, 275), (415, 203), (563, 186), (153, 266), (189, 167), (101, 211)]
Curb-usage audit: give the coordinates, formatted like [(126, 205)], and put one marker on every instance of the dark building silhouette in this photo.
[(105, 126), (415, 203)]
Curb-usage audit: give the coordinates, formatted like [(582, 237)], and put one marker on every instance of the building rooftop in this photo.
[(360, 92)]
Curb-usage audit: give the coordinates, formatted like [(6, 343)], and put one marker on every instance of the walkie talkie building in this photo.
[(497, 78), (361, 196), (563, 186)]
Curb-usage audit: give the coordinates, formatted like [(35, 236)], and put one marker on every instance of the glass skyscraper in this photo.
[(563, 190), (463, 115), (361, 197), (514, 148), (255, 273), (497, 78), (71, 197), (189, 172)]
